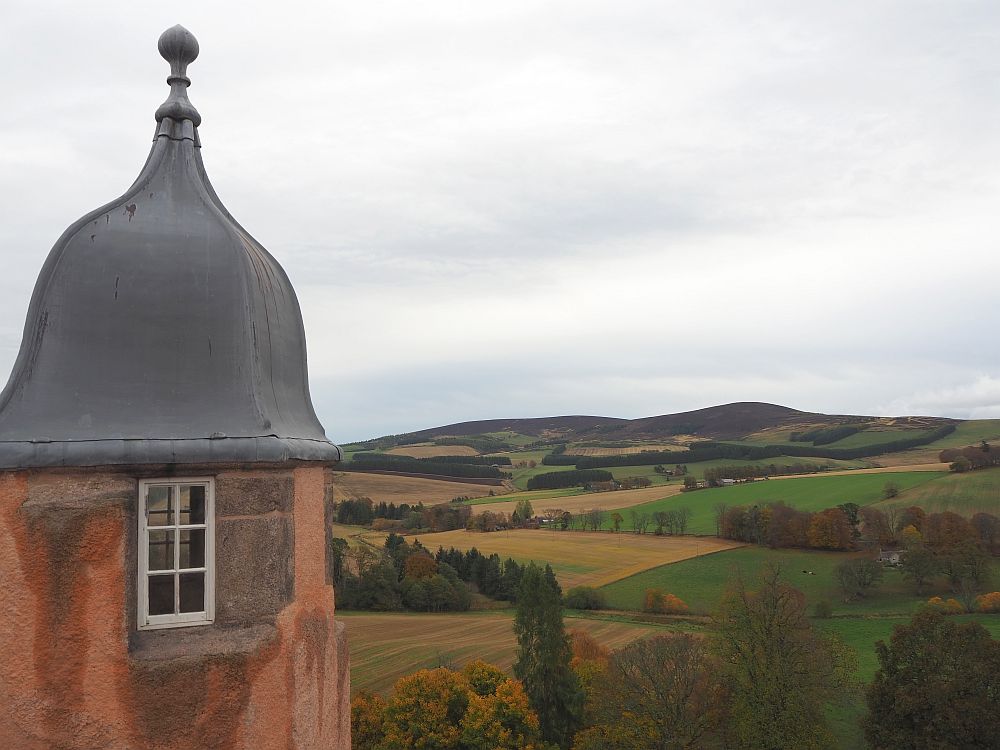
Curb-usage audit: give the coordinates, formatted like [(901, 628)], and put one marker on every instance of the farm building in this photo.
[(890, 556), (164, 482)]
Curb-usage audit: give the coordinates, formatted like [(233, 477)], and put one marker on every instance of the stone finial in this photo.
[(178, 47)]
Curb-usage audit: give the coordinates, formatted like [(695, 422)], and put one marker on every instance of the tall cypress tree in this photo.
[(544, 655)]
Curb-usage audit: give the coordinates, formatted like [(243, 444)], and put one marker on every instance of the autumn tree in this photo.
[(426, 711), (942, 531), (780, 671), (484, 678), (856, 576), (938, 686), (616, 520), (501, 720), (543, 656), (912, 516), (876, 525), (719, 511), (367, 721), (479, 708), (919, 564), (666, 687), (524, 510), (830, 529), (419, 565), (987, 528)]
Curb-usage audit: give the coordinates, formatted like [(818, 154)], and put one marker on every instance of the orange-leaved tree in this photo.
[(367, 720)]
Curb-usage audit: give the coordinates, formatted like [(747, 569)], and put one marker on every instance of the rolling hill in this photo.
[(756, 421)]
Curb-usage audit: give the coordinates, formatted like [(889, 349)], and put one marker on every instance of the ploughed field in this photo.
[(349, 485), (386, 646), (432, 451)]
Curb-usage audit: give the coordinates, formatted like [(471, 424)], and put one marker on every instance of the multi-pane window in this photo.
[(176, 552)]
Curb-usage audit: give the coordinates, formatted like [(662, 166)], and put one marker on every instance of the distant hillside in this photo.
[(736, 421)]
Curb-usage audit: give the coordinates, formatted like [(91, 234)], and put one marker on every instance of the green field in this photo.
[(874, 437), (701, 581), (969, 433), (812, 493), (966, 493)]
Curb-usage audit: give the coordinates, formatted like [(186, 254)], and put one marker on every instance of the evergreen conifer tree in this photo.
[(544, 654)]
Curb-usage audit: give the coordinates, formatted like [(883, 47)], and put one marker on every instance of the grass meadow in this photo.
[(811, 493), (701, 582), (966, 493)]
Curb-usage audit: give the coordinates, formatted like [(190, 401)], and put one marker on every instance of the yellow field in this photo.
[(430, 451), (879, 470), (581, 557), (395, 489), (386, 646), (358, 535), (626, 451), (587, 500)]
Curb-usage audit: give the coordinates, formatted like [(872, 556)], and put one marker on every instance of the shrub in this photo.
[(585, 597), (988, 602), (662, 603), (945, 607)]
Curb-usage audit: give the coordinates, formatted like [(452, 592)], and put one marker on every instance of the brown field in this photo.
[(587, 500), (395, 489), (581, 558), (626, 451), (430, 451), (915, 456), (878, 470), (386, 646)]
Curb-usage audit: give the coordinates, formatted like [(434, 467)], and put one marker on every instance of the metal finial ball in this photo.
[(178, 46)]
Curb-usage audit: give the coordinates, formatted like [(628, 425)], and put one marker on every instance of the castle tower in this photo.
[(164, 482)]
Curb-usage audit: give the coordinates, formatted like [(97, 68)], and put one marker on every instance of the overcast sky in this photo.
[(531, 208)]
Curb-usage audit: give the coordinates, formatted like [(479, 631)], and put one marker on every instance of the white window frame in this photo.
[(145, 620)]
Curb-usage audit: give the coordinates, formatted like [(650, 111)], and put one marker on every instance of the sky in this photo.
[(517, 209)]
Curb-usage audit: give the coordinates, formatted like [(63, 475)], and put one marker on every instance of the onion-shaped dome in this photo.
[(159, 330)]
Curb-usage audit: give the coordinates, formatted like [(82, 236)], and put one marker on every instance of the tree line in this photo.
[(405, 575), (933, 545), (558, 479), (970, 458), (710, 451), (715, 474), (390, 462), (362, 511)]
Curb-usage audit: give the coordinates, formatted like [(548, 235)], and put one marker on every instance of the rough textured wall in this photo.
[(271, 673)]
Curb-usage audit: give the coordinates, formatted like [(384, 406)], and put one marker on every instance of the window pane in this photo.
[(161, 595), (160, 506), (192, 503), (192, 592), (161, 550), (192, 548)]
